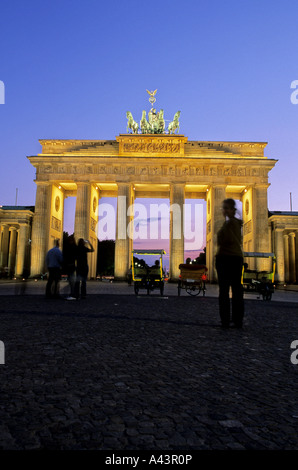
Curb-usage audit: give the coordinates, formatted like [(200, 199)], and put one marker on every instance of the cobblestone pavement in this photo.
[(125, 372), (283, 294)]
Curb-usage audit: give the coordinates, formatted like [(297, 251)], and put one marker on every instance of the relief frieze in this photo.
[(150, 147)]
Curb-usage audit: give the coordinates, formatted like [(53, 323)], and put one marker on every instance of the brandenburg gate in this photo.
[(150, 162), (144, 166)]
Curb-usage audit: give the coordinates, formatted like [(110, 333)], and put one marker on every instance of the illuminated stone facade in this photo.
[(163, 166), (284, 243), (15, 239)]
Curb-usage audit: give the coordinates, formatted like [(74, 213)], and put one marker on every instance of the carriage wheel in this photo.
[(193, 290), (179, 288), (161, 288)]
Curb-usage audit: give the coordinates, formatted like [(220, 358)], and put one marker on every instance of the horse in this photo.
[(174, 124), (144, 124), (161, 122), (131, 124)]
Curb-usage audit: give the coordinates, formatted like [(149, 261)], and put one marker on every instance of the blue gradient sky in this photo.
[(73, 68)]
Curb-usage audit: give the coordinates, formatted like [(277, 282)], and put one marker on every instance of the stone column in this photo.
[(40, 229), (123, 241), (83, 220), (279, 253), (82, 216), (286, 252), (176, 229), (12, 250), (22, 249), (130, 231), (4, 246), (94, 199), (216, 195), (296, 254), (260, 225), (292, 261)]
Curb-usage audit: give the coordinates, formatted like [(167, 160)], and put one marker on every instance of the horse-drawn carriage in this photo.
[(145, 276), (192, 278), (259, 282)]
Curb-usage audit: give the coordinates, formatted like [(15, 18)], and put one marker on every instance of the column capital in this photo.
[(291, 234), (124, 188), (177, 188), (218, 185), (43, 183), (124, 184), (279, 228), (261, 185)]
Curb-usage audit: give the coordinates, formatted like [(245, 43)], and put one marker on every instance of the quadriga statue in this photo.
[(131, 123), (174, 124)]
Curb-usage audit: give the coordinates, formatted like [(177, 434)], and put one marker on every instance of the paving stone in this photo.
[(157, 375)]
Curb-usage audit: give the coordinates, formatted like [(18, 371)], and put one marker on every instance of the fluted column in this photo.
[(215, 220), (40, 229), (176, 229), (4, 246), (12, 250), (22, 249), (296, 254), (131, 224), (123, 239), (286, 252), (82, 216), (279, 253), (292, 261), (260, 225)]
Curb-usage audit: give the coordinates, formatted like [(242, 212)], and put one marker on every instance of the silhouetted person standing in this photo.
[(82, 267), (54, 260), (70, 256), (129, 275), (229, 262)]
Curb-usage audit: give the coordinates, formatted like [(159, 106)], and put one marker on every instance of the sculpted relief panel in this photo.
[(247, 227), (151, 147), (56, 224), (149, 169)]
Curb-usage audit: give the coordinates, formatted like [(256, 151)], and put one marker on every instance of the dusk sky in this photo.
[(72, 69)]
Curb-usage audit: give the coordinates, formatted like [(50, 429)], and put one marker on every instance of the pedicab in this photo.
[(259, 282), (192, 278), (145, 276)]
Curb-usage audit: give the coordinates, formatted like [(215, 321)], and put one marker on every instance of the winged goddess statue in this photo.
[(152, 98)]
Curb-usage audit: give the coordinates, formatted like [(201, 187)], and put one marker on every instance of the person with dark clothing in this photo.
[(82, 267), (129, 275), (70, 256), (54, 260), (229, 263)]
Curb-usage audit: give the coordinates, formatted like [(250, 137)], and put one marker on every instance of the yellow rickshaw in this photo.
[(259, 282), (192, 278), (145, 276)]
